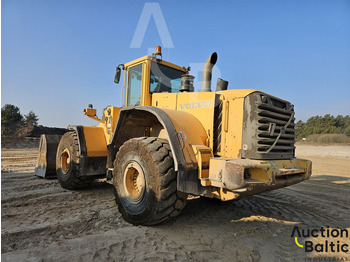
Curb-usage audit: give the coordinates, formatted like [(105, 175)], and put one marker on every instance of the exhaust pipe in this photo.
[(207, 69)]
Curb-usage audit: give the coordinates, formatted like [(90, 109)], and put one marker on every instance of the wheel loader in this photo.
[(168, 141)]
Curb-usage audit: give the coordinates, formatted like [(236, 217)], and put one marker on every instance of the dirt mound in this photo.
[(21, 131), (25, 136), (22, 142)]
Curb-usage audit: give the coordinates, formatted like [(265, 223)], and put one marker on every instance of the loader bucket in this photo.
[(46, 161)]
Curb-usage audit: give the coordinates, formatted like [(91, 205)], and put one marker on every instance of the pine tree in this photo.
[(31, 118), (11, 114)]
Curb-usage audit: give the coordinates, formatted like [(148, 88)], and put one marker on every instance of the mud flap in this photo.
[(46, 162)]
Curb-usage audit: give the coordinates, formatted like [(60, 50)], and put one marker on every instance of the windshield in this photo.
[(164, 79)]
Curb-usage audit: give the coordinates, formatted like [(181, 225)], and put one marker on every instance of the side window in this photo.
[(134, 85)]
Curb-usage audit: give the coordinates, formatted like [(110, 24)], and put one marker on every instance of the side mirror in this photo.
[(117, 75)]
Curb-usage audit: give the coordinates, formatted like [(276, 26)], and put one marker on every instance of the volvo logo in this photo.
[(195, 105)]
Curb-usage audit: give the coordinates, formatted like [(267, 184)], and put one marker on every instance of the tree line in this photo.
[(11, 114), (326, 124)]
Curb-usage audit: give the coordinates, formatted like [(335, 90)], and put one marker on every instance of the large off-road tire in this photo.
[(67, 163), (144, 182)]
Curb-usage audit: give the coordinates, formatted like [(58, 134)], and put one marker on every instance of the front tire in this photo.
[(67, 163), (144, 182)]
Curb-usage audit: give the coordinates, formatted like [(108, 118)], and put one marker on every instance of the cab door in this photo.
[(134, 85)]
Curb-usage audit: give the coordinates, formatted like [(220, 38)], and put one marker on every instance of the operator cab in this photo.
[(148, 75)]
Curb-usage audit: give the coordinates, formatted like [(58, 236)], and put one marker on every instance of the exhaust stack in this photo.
[(207, 72)]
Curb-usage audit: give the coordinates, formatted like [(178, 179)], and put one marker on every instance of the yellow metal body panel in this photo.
[(109, 119), (165, 100), (95, 141), (202, 105), (189, 132), (93, 134), (236, 93), (90, 112), (145, 95), (232, 132), (203, 155), (232, 129)]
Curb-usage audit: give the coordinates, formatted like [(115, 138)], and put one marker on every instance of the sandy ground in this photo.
[(43, 222)]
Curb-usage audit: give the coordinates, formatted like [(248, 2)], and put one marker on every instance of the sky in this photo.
[(58, 56)]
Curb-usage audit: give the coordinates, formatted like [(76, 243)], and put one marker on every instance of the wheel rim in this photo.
[(134, 182), (65, 161)]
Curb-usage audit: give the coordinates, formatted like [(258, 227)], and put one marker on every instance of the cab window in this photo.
[(164, 79), (134, 85)]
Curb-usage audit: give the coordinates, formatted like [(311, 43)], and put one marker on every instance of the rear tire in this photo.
[(145, 183), (67, 163)]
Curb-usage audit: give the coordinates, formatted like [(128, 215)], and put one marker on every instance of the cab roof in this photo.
[(150, 58)]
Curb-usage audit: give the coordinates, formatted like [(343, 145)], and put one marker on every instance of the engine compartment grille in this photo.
[(268, 128)]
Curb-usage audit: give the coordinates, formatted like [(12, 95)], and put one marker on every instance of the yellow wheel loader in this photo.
[(168, 141)]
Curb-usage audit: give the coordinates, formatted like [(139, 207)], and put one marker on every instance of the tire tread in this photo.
[(76, 181), (170, 202)]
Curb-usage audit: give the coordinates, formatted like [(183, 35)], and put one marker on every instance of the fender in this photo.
[(183, 130), (91, 162)]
